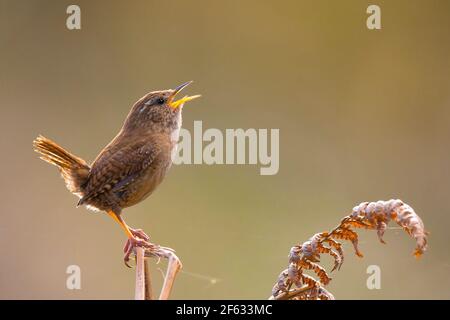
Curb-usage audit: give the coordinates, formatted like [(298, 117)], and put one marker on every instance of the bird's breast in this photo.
[(174, 137)]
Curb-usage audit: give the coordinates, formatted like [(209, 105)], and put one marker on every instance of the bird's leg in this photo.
[(136, 237)]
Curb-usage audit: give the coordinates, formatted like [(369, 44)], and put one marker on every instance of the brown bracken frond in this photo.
[(294, 284)]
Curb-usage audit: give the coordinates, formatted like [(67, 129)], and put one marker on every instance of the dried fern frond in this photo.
[(294, 284)]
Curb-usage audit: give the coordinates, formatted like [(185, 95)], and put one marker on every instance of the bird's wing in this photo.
[(118, 166)]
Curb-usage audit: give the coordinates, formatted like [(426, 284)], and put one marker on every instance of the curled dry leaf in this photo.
[(379, 214)]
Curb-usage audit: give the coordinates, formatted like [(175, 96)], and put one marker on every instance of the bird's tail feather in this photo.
[(74, 170)]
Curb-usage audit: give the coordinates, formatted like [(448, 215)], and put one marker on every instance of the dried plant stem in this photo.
[(143, 286), (148, 282), (139, 293), (292, 293), (173, 268)]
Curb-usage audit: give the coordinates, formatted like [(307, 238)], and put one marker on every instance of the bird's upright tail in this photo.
[(74, 170)]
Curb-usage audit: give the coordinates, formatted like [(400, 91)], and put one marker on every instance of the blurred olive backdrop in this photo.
[(363, 115)]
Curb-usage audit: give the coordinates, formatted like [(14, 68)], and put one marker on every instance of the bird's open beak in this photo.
[(179, 102)]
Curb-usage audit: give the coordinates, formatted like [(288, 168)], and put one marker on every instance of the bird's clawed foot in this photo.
[(139, 239), (140, 234)]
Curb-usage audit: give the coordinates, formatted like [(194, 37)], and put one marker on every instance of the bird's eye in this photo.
[(161, 101)]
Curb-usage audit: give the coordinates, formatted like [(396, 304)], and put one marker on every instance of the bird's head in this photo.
[(159, 110)]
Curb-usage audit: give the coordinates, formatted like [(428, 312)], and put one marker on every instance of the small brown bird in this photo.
[(131, 166)]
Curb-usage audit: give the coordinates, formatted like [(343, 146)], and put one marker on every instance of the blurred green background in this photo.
[(363, 115)]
